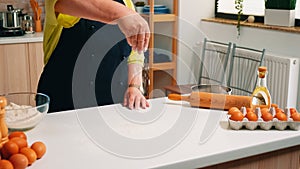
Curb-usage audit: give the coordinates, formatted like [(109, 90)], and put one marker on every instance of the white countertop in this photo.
[(166, 135), (35, 37)]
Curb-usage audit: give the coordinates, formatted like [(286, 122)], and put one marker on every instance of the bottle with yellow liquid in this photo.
[(261, 96)]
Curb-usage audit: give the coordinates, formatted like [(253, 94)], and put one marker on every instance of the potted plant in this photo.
[(239, 8), (139, 5), (280, 12)]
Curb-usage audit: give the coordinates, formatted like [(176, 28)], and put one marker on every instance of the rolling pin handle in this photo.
[(178, 97)]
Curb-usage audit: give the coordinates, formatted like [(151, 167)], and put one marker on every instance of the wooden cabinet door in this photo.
[(36, 60), (14, 68)]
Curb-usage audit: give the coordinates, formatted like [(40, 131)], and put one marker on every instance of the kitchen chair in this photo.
[(213, 64), (244, 63)]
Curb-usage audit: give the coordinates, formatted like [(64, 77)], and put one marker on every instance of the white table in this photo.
[(114, 137)]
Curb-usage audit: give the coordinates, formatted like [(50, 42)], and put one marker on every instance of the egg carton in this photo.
[(265, 125)]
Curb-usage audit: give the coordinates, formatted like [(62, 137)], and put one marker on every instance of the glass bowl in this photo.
[(25, 110)]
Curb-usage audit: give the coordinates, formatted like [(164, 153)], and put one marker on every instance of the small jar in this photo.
[(27, 24)]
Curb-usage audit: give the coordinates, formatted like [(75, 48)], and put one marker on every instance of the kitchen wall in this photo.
[(22, 4), (192, 29)]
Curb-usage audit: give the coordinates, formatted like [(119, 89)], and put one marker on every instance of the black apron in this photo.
[(57, 78)]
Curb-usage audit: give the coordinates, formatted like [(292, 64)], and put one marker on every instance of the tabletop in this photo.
[(167, 135)]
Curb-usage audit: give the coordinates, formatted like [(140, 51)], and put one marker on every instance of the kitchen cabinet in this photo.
[(162, 56), (20, 66)]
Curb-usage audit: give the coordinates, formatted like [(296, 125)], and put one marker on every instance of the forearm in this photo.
[(106, 11)]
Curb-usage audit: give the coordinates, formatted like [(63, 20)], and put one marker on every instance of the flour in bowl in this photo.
[(21, 116)]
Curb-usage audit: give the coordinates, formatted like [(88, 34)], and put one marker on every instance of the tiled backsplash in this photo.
[(22, 4)]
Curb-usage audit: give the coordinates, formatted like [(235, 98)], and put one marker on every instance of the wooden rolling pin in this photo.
[(214, 101)]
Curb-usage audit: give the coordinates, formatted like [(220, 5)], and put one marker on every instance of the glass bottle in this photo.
[(261, 96), (146, 79)]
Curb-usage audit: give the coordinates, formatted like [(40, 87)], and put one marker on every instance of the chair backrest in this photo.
[(244, 63), (214, 61)]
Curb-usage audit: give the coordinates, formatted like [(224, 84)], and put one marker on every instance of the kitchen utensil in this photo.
[(213, 100), (211, 88), (25, 110), (11, 18)]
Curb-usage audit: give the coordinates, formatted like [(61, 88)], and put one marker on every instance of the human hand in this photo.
[(136, 30), (134, 99)]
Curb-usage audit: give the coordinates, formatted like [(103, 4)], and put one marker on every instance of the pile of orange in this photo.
[(16, 154)]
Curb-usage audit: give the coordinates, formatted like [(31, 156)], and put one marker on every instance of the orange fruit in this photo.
[(251, 116), (266, 116), (5, 164), (281, 116), (10, 148), (296, 116), (39, 148), (19, 161), (17, 134), (19, 141), (29, 153), (238, 116)]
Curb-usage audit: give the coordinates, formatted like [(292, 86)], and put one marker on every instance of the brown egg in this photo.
[(10, 148), (5, 164), (39, 148), (293, 110), (19, 141), (251, 116), (233, 110), (266, 116), (281, 116), (296, 116), (237, 116), (17, 134), (264, 110), (19, 161), (29, 153)]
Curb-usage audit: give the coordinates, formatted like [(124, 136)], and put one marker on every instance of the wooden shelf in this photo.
[(163, 66), (162, 74), (161, 17)]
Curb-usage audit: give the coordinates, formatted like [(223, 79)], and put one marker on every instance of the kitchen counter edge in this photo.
[(27, 38)]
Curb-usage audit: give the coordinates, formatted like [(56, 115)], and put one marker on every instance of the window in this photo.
[(226, 9)]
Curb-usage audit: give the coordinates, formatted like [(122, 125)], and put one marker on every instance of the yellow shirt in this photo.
[(55, 24)]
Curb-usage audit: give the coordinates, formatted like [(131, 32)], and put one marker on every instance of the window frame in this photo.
[(233, 16)]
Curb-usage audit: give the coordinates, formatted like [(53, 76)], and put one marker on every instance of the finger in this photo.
[(125, 101), (137, 103), (144, 103), (147, 39), (134, 39), (140, 43), (131, 102)]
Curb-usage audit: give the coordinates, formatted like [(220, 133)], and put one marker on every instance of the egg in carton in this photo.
[(263, 124)]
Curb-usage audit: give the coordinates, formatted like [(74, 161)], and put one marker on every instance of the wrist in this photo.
[(137, 86)]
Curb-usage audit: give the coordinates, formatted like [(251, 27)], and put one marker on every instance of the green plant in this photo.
[(239, 8), (280, 4)]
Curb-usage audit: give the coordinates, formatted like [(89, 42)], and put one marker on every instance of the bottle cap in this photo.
[(262, 71)]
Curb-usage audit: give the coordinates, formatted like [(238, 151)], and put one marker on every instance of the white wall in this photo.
[(192, 30)]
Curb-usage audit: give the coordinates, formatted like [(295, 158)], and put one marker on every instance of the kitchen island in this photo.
[(166, 135)]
